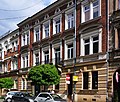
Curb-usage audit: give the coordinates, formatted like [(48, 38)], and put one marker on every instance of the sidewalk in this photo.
[(1, 100)]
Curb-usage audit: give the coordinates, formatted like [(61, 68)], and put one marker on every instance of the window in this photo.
[(44, 95), (70, 51), (70, 20), (0, 54), (57, 55), (23, 62), (91, 45), (47, 30), (87, 46), (14, 65), (37, 58), (90, 10), (6, 68), (27, 61), (25, 38), (95, 80), (1, 67), (95, 44), (119, 4), (46, 57), (85, 80), (23, 84), (95, 9), (36, 34), (57, 26), (87, 12)]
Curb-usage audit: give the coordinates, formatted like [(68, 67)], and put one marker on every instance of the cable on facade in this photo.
[(22, 8), (13, 18)]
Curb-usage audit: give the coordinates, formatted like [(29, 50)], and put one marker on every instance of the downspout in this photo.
[(107, 47)]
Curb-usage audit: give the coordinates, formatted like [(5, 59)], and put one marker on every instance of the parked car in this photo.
[(48, 97), (23, 97), (8, 96)]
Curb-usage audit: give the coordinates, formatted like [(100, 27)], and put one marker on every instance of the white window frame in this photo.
[(71, 48), (66, 17), (47, 55), (26, 37), (36, 34), (14, 65), (48, 29), (55, 19), (24, 60), (91, 10), (34, 59), (90, 35)]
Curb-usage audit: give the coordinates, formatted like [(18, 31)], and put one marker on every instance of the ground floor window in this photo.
[(95, 80), (85, 80)]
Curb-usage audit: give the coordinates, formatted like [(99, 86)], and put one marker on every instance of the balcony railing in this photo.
[(114, 54), (115, 16)]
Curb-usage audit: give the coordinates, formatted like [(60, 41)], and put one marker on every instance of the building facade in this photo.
[(49, 37), (114, 50)]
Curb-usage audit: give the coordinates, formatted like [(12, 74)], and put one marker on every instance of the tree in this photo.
[(6, 83), (44, 75)]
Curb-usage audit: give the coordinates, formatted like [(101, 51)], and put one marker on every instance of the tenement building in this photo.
[(72, 37), (114, 51)]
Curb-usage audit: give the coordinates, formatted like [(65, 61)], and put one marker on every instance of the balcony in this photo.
[(115, 18), (114, 54), (11, 52), (24, 70)]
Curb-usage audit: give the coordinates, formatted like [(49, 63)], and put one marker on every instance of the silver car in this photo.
[(48, 97)]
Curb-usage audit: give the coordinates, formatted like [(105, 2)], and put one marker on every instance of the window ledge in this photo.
[(91, 20)]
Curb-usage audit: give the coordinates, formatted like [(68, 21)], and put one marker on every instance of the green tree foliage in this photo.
[(6, 83), (44, 75)]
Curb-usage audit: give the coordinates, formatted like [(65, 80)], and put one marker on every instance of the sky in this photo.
[(13, 12)]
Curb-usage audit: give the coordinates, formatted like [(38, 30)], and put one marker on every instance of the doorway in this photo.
[(37, 89), (116, 86), (70, 87)]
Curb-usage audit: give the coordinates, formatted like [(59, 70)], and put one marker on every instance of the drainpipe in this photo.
[(74, 46), (107, 47)]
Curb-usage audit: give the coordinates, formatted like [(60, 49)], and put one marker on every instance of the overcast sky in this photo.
[(13, 12)]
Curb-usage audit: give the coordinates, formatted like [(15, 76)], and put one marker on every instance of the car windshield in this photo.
[(12, 93), (55, 96), (27, 94)]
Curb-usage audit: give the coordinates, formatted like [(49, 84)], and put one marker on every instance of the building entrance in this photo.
[(70, 87)]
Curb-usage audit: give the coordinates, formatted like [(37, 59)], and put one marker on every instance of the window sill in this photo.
[(91, 20)]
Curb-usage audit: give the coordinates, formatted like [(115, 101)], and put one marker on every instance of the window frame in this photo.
[(46, 57), (36, 34), (70, 50), (92, 7), (93, 80), (85, 81)]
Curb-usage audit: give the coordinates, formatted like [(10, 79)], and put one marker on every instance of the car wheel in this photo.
[(12, 101), (9, 100)]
